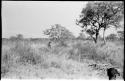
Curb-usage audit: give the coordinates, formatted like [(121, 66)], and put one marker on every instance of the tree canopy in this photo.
[(111, 37), (101, 14), (17, 37), (81, 36), (121, 34), (58, 33)]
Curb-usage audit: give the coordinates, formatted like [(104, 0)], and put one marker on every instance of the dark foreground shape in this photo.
[(112, 73), (49, 44)]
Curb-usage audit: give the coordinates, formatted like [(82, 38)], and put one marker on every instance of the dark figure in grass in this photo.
[(49, 44), (112, 73)]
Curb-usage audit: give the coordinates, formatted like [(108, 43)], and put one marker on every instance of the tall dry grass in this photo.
[(23, 52), (18, 52)]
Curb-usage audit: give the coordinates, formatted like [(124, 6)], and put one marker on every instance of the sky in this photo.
[(31, 18)]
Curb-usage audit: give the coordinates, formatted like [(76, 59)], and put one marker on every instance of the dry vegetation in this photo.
[(27, 59)]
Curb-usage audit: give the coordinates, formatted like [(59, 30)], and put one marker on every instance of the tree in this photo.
[(100, 15), (58, 33), (121, 34), (12, 38), (19, 36), (111, 37), (88, 38), (81, 36)]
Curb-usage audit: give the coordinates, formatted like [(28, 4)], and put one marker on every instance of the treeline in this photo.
[(96, 16)]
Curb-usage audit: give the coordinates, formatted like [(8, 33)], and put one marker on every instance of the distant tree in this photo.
[(111, 37), (19, 36), (13, 37), (58, 33), (81, 36), (101, 15), (121, 34)]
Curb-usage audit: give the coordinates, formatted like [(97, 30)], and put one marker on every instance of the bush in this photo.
[(30, 58), (7, 62), (5, 65), (109, 53), (85, 50), (112, 37), (26, 54), (113, 54)]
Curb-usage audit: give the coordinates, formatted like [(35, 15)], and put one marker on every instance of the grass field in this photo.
[(33, 59)]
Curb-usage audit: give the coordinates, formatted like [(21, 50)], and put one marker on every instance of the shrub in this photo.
[(109, 53), (85, 50), (112, 53), (5, 65), (30, 58), (7, 62), (26, 54)]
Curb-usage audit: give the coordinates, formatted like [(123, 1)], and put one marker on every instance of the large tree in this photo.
[(58, 33), (101, 15)]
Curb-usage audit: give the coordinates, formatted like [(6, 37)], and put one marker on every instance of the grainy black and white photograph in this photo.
[(62, 40)]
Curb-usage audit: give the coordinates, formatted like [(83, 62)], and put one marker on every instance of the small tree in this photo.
[(111, 37), (19, 36), (13, 38), (121, 34), (81, 36), (58, 33), (101, 15), (89, 38)]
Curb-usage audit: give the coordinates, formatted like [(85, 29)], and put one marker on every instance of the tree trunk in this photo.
[(49, 44), (96, 38), (104, 36)]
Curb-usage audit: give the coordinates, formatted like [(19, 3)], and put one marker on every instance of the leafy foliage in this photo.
[(81, 36), (17, 37), (100, 15), (121, 34), (58, 33), (111, 37)]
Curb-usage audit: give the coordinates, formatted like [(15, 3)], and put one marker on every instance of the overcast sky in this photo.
[(30, 18)]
